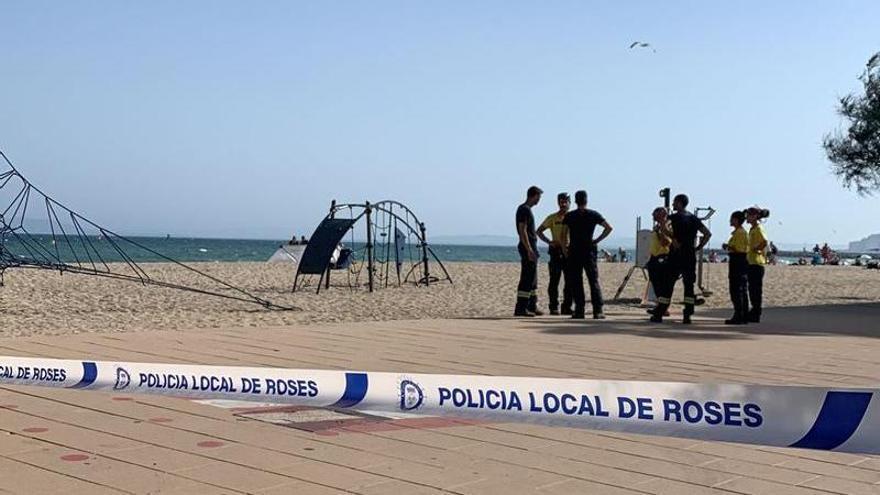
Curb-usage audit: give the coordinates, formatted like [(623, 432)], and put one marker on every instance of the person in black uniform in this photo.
[(581, 255), (527, 290), (685, 227)]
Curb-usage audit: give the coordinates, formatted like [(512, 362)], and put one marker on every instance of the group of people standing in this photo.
[(747, 253), (674, 247), (572, 253), (676, 239)]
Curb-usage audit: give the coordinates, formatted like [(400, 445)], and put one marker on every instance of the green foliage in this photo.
[(855, 154)]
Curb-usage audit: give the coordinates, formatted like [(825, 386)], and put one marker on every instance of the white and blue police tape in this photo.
[(845, 420)]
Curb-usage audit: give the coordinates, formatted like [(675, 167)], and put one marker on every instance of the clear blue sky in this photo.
[(245, 119)]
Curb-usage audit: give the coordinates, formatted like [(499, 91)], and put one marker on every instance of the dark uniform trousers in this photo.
[(738, 280), (527, 289), (556, 267), (660, 276), (756, 288), (576, 264), (682, 265)]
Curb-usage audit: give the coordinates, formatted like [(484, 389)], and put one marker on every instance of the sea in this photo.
[(188, 249), (220, 250)]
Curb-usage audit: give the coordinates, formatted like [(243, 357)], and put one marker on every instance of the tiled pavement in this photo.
[(63, 441)]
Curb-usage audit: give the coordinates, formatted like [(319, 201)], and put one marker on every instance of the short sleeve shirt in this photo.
[(581, 227), (659, 244), (756, 238), (739, 241), (685, 226), (524, 215), (554, 222)]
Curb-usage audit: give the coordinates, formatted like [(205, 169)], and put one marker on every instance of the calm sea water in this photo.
[(190, 250), (193, 249)]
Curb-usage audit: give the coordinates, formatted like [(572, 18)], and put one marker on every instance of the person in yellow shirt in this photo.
[(737, 248), (659, 268), (757, 258), (556, 265)]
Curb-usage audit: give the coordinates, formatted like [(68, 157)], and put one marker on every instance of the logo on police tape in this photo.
[(122, 379), (411, 395)]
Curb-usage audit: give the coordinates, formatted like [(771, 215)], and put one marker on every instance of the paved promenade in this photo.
[(72, 442)]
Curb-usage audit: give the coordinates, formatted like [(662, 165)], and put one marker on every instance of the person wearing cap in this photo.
[(685, 228), (737, 269), (659, 269), (757, 259), (556, 265), (581, 254), (527, 289)]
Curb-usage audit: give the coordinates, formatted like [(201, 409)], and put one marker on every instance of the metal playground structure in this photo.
[(393, 252), (38, 232)]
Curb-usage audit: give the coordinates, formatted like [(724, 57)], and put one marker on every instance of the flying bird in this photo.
[(641, 44)]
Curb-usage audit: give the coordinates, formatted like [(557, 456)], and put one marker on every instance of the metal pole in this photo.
[(369, 245), (332, 215), (425, 253)]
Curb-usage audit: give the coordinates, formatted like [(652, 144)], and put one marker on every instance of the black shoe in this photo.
[(525, 314), (598, 316), (577, 316), (536, 312), (656, 319), (753, 318), (686, 320), (554, 312), (565, 311), (736, 320)]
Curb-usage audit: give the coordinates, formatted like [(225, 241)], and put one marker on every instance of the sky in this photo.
[(245, 119)]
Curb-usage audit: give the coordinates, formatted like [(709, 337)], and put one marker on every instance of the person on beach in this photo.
[(757, 258), (581, 255), (527, 289), (685, 228), (737, 269), (556, 265), (659, 269)]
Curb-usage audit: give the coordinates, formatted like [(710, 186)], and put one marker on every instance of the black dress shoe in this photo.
[(753, 318), (524, 314), (736, 320), (577, 316), (686, 320), (565, 311), (656, 319), (598, 316)]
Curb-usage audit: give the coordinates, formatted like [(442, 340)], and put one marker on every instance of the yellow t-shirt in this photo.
[(739, 241), (554, 223), (757, 236), (658, 247)]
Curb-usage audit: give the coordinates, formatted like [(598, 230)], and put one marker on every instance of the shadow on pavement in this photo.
[(853, 320)]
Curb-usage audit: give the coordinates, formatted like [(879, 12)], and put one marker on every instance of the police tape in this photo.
[(846, 420)]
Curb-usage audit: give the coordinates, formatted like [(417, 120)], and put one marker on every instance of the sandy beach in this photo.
[(46, 303), (69, 441)]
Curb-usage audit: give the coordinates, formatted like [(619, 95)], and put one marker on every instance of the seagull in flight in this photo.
[(641, 44)]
